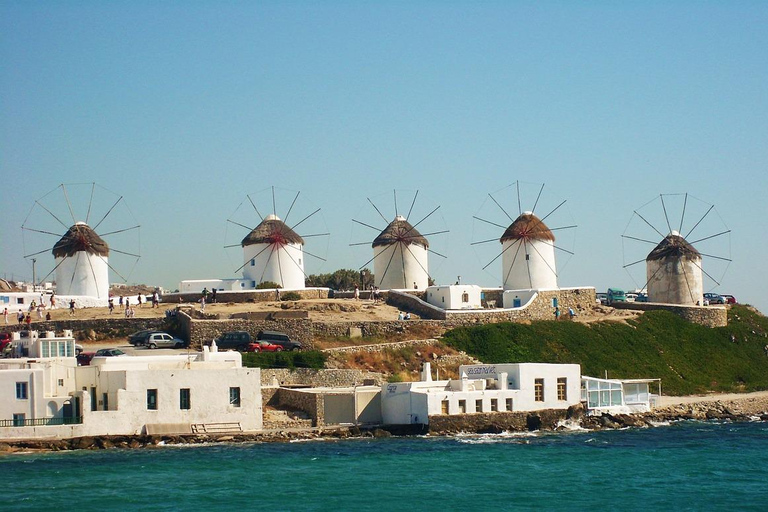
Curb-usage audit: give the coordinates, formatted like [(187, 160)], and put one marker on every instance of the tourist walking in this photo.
[(28, 320), (571, 313), (71, 307), (20, 317), (53, 301), (138, 299), (202, 303), (155, 299), (557, 312), (5, 315), (213, 296), (40, 311), (111, 305), (120, 302), (357, 293)]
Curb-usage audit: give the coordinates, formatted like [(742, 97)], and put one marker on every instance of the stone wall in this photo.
[(318, 378), (414, 302), (311, 403), (102, 328), (200, 331), (382, 346), (377, 328), (708, 316), (496, 422), (245, 296)]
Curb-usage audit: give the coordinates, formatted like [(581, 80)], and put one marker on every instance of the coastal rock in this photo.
[(533, 422), (575, 412), (379, 433), (83, 443)]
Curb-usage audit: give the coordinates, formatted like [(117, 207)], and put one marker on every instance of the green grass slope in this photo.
[(688, 358)]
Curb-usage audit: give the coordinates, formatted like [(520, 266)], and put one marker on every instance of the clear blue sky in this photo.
[(184, 107)]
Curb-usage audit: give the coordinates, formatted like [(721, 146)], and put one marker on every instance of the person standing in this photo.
[(5, 315), (71, 307), (111, 305), (53, 301), (120, 302), (202, 304), (571, 313), (40, 311), (138, 299), (48, 316), (213, 295), (20, 317), (557, 312), (357, 293), (28, 320)]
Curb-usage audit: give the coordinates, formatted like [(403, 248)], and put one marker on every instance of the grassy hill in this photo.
[(688, 358)]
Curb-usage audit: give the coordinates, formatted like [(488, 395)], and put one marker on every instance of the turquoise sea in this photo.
[(685, 466)]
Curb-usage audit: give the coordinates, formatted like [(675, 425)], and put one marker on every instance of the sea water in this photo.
[(685, 466)]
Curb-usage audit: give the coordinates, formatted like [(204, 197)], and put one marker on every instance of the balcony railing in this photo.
[(41, 422)]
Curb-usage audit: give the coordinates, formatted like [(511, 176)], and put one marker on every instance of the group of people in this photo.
[(401, 316), (571, 313)]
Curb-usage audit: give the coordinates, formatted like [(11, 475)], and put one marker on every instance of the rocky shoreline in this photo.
[(746, 409)]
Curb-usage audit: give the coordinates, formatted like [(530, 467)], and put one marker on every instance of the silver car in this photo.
[(164, 340)]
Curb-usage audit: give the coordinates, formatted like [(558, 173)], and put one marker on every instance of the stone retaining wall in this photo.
[(496, 422), (382, 346), (311, 403), (200, 331), (245, 296), (374, 328), (708, 316), (318, 378), (101, 328)]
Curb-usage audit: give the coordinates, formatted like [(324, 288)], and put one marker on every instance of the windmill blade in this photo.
[(697, 224), (377, 210), (305, 218), (417, 261), (402, 260), (489, 222), (41, 231), (69, 205), (52, 271), (305, 252), (274, 208), (556, 247), (553, 211), (666, 217), (36, 253), (497, 257), (315, 234), (412, 204), (705, 273), (645, 287), (711, 236), (651, 225), (51, 213), (437, 253), (688, 284), (73, 273), (359, 243), (367, 262), (514, 259), (559, 228), (261, 217), (271, 252), (90, 202), (93, 273), (537, 199), (435, 233), (542, 259), (296, 263), (485, 241), (126, 253), (291, 208), (716, 257), (635, 263), (519, 206), (111, 267), (639, 239), (394, 193), (279, 264), (252, 258), (238, 224), (685, 203), (367, 225), (108, 212), (500, 207), (232, 245), (119, 231), (422, 220)]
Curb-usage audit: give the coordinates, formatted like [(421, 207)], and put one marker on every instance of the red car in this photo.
[(264, 346), (729, 299), (84, 358)]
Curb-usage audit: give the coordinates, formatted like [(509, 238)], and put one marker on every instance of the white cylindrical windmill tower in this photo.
[(81, 263), (274, 252), (528, 254), (674, 272), (400, 257)]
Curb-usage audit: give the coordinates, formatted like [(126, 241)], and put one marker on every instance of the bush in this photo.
[(297, 359), (267, 285), (290, 296)]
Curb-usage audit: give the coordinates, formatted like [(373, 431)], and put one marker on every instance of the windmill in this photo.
[(82, 257), (273, 251), (528, 244), (400, 252), (674, 270)]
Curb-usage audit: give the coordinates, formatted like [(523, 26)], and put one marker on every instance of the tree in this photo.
[(342, 279)]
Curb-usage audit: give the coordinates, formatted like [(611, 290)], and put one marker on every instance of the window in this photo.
[(21, 391), (444, 407), (184, 396), (253, 262), (94, 401), (562, 388), (509, 404), (494, 404), (538, 390), (465, 297), (234, 397), (479, 405), (151, 399), (105, 401), (19, 419), (462, 406), (61, 382)]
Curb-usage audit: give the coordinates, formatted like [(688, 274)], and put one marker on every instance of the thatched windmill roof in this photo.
[(673, 246), (527, 227), (272, 231), (80, 237), (400, 230)]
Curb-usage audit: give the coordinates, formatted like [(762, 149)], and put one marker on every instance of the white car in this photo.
[(164, 340), (631, 297)]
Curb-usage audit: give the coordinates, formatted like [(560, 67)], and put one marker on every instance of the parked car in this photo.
[(729, 299), (164, 340), (109, 352), (84, 358), (641, 297), (631, 297), (5, 339), (601, 298), (264, 346), (279, 338), (714, 298), (616, 295), (237, 340), (140, 337)]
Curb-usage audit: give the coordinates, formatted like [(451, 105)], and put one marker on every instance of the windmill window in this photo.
[(299, 261), (443, 299), (527, 257), (465, 297), (253, 262)]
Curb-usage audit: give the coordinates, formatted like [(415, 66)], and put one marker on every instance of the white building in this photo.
[(400, 257), (616, 396), (46, 395), (482, 388), (674, 273), (456, 296), (81, 263), (274, 252), (528, 255)]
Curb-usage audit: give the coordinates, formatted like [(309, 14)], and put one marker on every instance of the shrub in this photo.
[(298, 359), (267, 285), (290, 296)]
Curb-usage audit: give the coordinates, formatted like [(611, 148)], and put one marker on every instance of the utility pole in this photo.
[(34, 277)]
